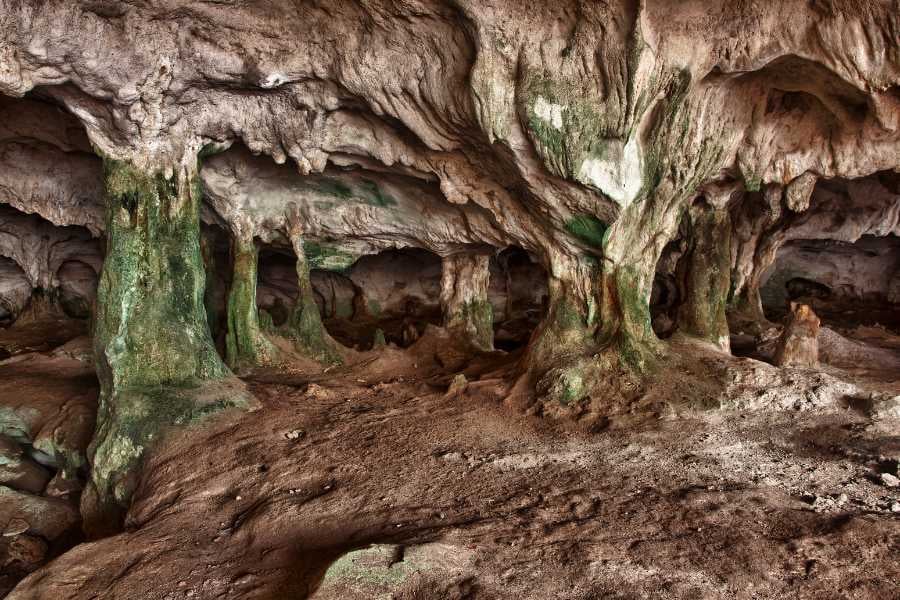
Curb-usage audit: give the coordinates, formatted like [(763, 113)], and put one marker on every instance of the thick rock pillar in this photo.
[(155, 356), (246, 344), (559, 359), (632, 248), (464, 297), (707, 276)]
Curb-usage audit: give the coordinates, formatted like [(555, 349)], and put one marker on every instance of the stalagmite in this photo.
[(798, 345)]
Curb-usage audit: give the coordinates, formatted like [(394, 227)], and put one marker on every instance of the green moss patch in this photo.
[(588, 229), (328, 258)]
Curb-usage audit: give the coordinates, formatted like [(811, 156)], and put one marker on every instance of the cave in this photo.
[(389, 291), (848, 284), (395, 295), (458, 300)]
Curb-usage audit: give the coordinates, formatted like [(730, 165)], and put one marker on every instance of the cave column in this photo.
[(155, 357), (465, 277), (759, 231), (707, 275), (557, 360), (631, 251), (246, 344), (305, 325)]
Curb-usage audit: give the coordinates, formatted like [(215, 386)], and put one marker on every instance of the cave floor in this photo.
[(374, 481)]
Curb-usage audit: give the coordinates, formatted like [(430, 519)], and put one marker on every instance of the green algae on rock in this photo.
[(304, 325), (464, 298), (246, 342), (154, 351), (707, 276)]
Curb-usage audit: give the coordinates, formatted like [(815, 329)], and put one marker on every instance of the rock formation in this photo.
[(799, 344), (602, 194)]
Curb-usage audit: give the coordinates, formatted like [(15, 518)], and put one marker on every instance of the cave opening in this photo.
[(519, 296), (395, 295), (847, 284)]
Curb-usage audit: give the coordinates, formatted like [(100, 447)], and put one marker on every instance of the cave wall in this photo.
[(582, 133), (60, 265), (840, 217)]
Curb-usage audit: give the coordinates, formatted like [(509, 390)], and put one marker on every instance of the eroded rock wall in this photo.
[(600, 138)]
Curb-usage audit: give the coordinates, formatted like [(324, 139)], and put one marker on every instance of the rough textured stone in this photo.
[(799, 345), (18, 471), (48, 518), (464, 297), (155, 356), (705, 145)]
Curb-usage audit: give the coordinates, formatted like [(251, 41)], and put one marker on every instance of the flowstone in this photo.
[(156, 361)]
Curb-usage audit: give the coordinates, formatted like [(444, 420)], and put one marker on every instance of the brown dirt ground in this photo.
[(462, 495)]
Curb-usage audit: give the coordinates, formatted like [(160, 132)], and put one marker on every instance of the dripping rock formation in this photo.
[(449, 299)]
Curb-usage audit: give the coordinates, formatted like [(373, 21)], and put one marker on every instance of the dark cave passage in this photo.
[(398, 292), (846, 284), (519, 295)]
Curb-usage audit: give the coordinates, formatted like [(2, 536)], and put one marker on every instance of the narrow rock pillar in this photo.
[(155, 356), (246, 344), (305, 325), (464, 297)]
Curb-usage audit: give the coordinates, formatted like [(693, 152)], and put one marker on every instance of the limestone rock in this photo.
[(18, 471), (798, 345), (48, 518)]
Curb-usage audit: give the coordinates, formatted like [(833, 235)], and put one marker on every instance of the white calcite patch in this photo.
[(549, 112), (273, 80), (617, 173)]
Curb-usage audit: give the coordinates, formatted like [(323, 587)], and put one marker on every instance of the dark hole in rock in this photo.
[(518, 294), (77, 288), (847, 284), (664, 299), (398, 292), (799, 287)]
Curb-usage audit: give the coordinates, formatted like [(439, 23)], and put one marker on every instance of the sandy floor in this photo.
[(374, 482)]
